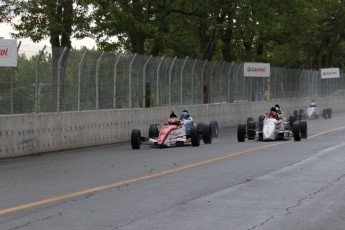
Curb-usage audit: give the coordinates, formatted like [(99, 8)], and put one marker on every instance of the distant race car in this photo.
[(312, 112), (169, 134), (269, 129)]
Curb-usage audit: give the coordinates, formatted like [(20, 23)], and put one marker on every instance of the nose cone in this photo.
[(269, 130)]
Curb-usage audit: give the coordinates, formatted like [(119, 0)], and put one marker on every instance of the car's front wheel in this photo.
[(136, 139), (195, 137)]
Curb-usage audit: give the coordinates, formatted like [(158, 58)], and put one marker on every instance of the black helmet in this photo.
[(277, 106), (173, 114), (274, 109)]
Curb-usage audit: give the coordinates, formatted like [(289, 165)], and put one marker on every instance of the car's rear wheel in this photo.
[(153, 131), (296, 131), (325, 114), (251, 130), (206, 134), (214, 128), (200, 127), (136, 139), (329, 112), (261, 122), (304, 129), (195, 137), (291, 121), (295, 114), (301, 116), (241, 132), (249, 119)]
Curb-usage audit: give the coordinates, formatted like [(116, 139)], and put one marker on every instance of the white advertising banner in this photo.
[(8, 53), (254, 69), (330, 73)]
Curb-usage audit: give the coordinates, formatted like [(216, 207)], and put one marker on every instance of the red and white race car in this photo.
[(172, 133)]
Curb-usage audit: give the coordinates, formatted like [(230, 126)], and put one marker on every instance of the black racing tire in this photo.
[(153, 131), (329, 112), (136, 139), (304, 129), (195, 136), (295, 113), (214, 128), (241, 132), (261, 122), (296, 131), (324, 113), (301, 117), (251, 130), (200, 127), (249, 119), (207, 134), (291, 121)]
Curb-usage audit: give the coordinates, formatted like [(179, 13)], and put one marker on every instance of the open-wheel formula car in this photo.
[(312, 112), (269, 129), (175, 134)]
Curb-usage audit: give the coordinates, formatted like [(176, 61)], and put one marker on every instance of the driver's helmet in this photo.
[(173, 114), (273, 113), (278, 110), (173, 121), (184, 114)]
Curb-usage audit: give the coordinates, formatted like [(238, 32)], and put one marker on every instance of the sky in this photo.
[(29, 47)]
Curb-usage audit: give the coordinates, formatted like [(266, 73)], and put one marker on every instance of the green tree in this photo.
[(56, 20)]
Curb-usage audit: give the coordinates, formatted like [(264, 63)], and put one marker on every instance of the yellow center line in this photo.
[(164, 172)]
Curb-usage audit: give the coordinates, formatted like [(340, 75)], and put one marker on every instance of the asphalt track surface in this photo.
[(224, 185)]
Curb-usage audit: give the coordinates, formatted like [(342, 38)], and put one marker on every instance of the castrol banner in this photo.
[(254, 69), (8, 53), (330, 73)]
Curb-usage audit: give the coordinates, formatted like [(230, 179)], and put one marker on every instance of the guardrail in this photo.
[(26, 134)]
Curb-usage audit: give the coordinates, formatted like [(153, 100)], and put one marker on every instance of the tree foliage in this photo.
[(294, 33)]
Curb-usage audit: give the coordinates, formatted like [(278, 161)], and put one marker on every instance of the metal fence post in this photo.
[(144, 80), (158, 69), (170, 70), (229, 81), (181, 86), (79, 78), (211, 81), (196, 60), (202, 81), (12, 80), (130, 83), (58, 80), (115, 80), (37, 81), (238, 70), (97, 80)]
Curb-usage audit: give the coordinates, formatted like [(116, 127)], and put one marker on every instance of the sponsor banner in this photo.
[(330, 73), (8, 53), (253, 69)]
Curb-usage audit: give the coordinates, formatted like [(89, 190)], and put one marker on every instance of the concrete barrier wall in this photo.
[(27, 134)]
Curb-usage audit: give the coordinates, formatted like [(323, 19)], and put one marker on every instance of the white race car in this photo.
[(270, 129), (312, 112)]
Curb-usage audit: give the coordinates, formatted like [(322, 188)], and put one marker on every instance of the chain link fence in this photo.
[(76, 80)]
